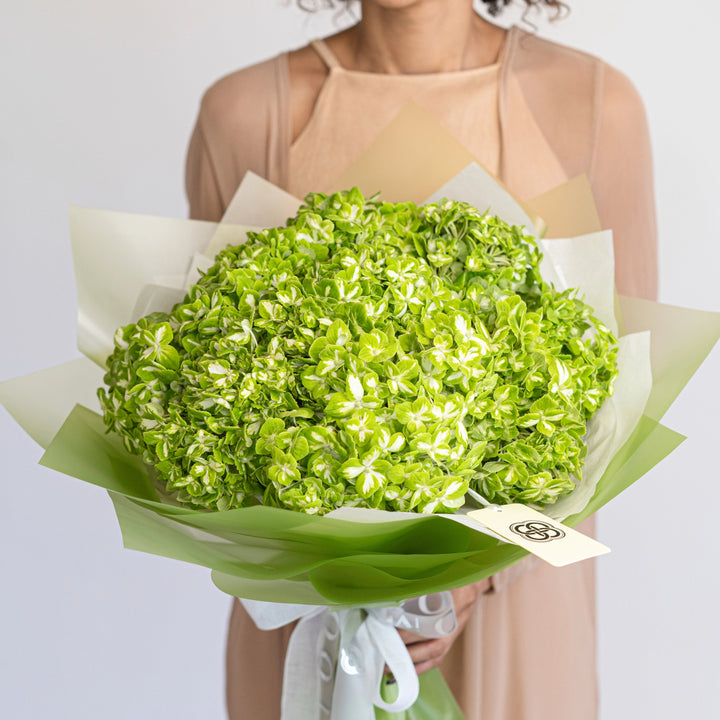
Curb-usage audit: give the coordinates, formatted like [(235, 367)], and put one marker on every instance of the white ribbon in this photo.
[(336, 658)]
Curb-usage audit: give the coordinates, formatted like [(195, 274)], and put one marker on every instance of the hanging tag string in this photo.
[(480, 499)]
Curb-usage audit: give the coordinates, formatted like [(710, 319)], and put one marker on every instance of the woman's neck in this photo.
[(424, 36)]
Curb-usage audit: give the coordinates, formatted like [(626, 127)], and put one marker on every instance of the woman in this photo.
[(534, 113)]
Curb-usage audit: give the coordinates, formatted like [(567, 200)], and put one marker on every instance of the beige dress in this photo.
[(541, 115)]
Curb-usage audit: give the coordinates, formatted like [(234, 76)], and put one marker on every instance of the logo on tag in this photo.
[(537, 531), (530, 529)]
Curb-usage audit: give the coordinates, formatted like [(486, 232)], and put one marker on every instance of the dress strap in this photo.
[(327, 55)]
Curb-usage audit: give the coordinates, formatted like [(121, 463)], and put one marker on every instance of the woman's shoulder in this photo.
[(566, 72), (578, 100), (285, 86), (245, 97)]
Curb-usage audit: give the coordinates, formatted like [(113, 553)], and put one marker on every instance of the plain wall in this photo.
[(98, 101)]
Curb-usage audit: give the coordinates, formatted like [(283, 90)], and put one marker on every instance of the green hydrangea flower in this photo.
[(368, 354)]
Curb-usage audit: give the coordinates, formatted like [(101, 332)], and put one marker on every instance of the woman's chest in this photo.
[(352, 109)]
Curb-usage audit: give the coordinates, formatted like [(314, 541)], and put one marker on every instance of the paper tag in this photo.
[(549, 539)]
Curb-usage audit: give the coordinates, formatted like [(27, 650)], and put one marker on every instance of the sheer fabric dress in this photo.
[(538, 117)]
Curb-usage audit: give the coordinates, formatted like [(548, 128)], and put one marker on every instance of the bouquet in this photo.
[(368, 354), (374, 366)]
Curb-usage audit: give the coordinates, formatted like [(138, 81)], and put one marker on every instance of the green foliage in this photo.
[(370, 354)]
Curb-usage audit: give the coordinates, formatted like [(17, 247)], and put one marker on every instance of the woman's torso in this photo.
[(545, 114)]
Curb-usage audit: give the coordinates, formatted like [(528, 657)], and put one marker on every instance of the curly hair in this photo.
[(494, 7), (558, 7)]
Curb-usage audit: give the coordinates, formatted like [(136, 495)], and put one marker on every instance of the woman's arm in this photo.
[(201, 184), (240, 127), (621, 175)]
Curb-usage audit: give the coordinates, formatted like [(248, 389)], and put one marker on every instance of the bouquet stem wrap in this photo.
[(336, 658)]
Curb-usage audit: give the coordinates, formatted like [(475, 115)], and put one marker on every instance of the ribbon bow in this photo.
[(336, 658)]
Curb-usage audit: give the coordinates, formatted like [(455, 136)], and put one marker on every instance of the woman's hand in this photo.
[(427, 654)]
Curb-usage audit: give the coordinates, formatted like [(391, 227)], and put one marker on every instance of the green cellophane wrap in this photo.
[(271, 554)]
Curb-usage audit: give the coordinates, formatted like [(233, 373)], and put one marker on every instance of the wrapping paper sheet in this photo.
[(568, 209), (408, 160), (40, 402), (120, 256)]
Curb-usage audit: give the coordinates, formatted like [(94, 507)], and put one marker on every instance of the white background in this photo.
[(98, 101)]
